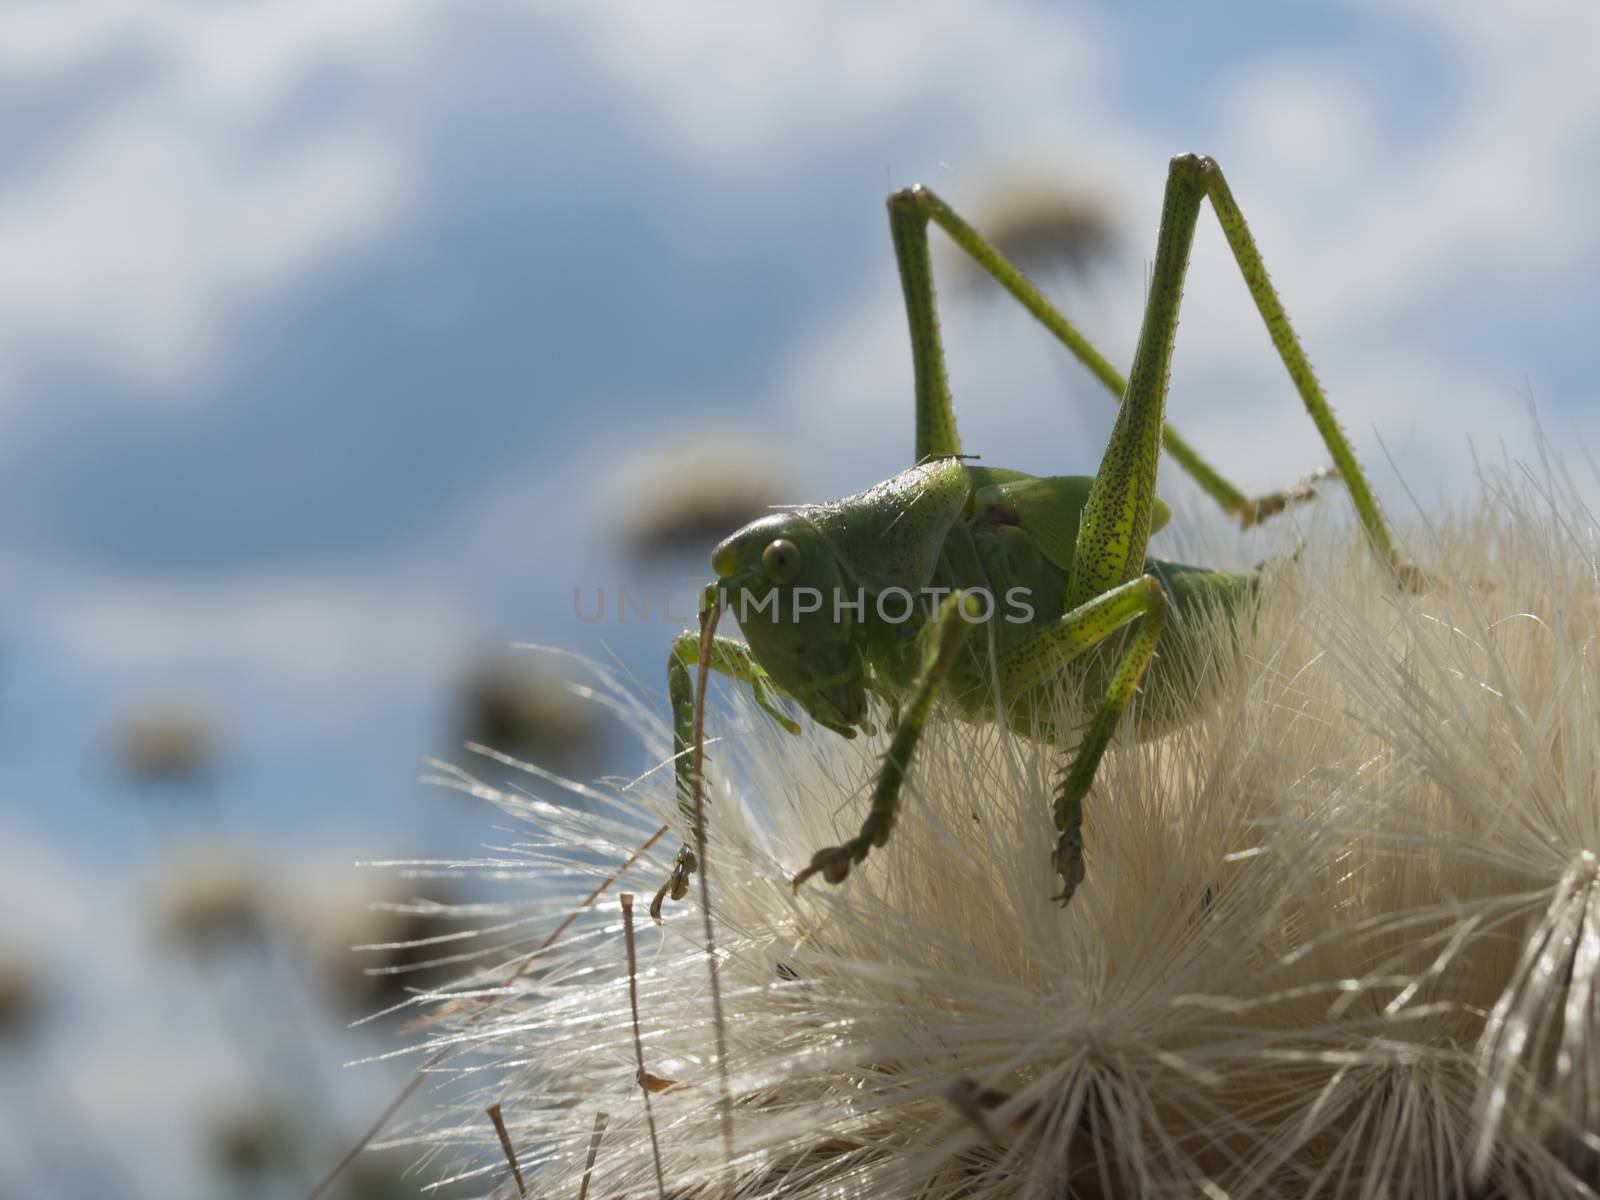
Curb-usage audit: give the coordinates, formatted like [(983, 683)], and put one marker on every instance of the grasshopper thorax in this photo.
[(800, 613)]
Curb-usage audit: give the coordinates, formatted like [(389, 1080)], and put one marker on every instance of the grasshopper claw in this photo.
[(833, 864), (1067, 862), (655, 904), (1270, 505), (677, 884)]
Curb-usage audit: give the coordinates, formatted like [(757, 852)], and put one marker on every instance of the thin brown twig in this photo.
[(601, 1120), (638, 1042), (440, 1055), (708, 628), (505, 1144), (599, 891)]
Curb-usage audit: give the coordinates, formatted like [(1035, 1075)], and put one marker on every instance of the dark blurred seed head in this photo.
[(211, 900), (252, 1143), (21, 999), (265, 1147), (525, 710), (685, 496), (370, 1180), (167, 744), (1042, 225), (361, 937)]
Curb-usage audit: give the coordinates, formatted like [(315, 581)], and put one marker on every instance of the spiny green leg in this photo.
[(730, 658), (909, 213), (932, 207), (1116, 516), (1249, 510), (936, 418), (1114, 530), (1068, 857), (1085, 627), (1294, 358), (834, 863)]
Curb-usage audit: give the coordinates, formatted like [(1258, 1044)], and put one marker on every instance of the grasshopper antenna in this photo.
[(440, 1055), (709, 616)]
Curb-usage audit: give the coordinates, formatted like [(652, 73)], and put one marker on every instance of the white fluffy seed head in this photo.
[(1340, 934)]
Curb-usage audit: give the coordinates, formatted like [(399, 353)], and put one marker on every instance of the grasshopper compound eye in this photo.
[(781, 561)]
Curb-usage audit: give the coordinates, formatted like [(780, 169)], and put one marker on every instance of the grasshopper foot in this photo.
[(677, 884), (1068, 863), (1411, 578), (833, 864), (1273, 503)]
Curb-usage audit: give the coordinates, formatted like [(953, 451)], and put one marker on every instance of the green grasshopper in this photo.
[(810, 585)]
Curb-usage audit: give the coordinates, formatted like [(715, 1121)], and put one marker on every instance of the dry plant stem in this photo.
[(588, 901), (601, 1120), (638, 1050), (708, 629), (440, 1055), (505, 1144)]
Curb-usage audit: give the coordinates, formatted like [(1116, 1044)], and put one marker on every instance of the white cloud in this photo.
[(149, 222), (765, 85), (318, 650), (1310, 117), (1499, 188), (137, 244)]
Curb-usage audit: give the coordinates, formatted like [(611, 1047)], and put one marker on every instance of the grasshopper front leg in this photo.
[(834, 863), (733, 659), (1052, 649)]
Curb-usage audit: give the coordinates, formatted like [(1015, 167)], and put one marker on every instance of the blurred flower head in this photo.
[(1044, 224), (251, 1143), (518, 707), (684, 496), (212, 898), (163, 743), (21, 998), (377, 943)]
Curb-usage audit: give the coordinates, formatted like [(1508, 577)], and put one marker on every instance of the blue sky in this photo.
[(326, 332)]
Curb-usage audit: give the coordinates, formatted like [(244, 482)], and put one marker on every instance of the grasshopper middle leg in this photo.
[(1082, 629)]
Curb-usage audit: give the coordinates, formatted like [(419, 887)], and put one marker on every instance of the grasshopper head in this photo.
[(784, 583)]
